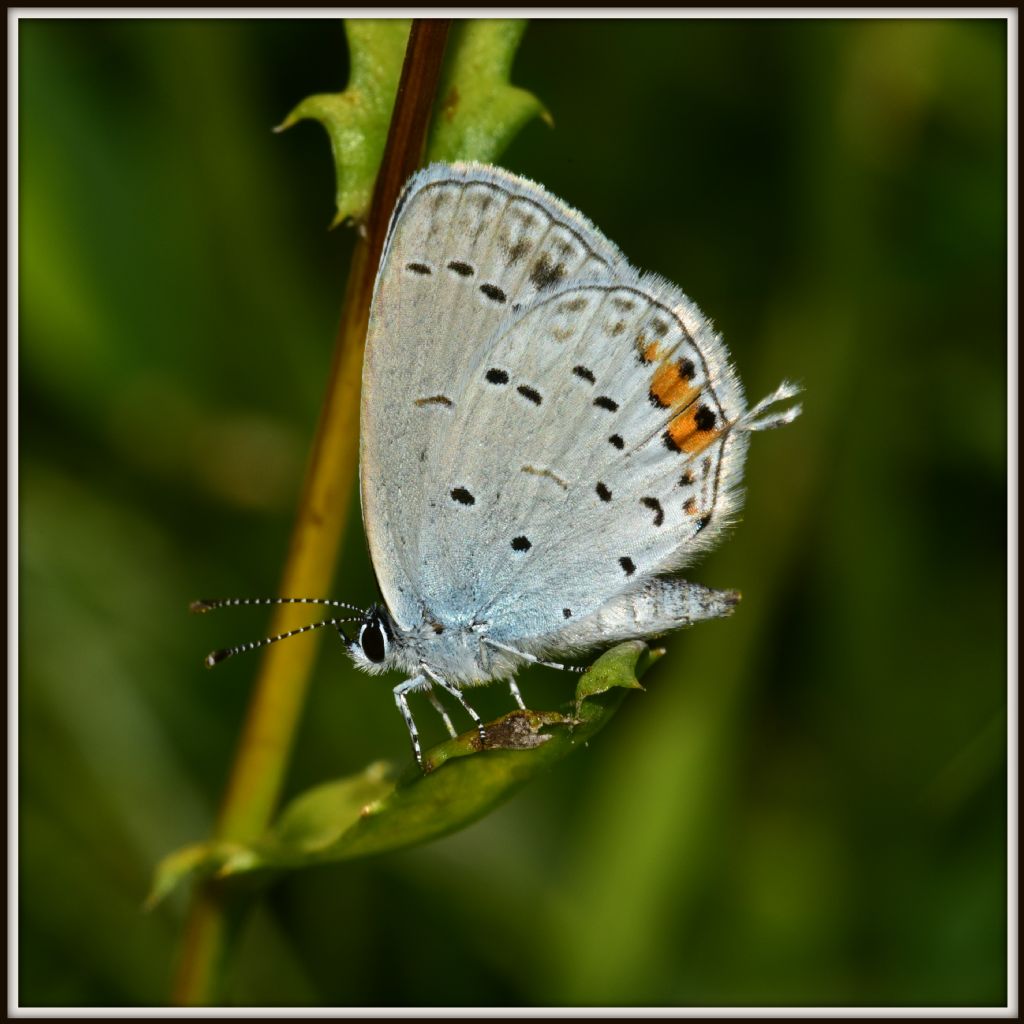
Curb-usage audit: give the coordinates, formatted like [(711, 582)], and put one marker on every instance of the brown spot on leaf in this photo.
[(450, 104), (520, 730)]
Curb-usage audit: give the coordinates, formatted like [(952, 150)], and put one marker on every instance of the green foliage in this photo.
[(480, 111), (356, 120), (376, 810), (478, 115)]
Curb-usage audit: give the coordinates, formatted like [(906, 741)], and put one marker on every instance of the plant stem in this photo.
[(282, 680)]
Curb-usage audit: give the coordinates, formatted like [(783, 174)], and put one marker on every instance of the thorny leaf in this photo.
[(357, 119), (479, 110)]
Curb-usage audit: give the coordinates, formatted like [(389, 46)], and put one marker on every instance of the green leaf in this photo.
[(480, 111), (357, 119), (378, 810)]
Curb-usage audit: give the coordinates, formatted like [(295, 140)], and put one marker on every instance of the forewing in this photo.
[(467, 250)]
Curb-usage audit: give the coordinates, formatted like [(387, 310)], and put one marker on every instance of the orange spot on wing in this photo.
[(685, 435), (671, 388), (647, 351)]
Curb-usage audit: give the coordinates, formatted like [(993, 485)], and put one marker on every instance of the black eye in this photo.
[(372, 641)]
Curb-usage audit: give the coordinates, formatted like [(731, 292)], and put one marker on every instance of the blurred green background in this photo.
[(808, 804)]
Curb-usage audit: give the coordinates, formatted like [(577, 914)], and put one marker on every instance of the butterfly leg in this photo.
[(514, 690), (439, 708), (532, 659), (460, 697), (400, 692)]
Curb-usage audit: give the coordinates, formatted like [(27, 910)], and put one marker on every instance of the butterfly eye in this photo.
[(371, 639)]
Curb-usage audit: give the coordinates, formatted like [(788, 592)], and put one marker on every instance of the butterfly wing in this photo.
[(544, 429), (467, 249), (601, 437)]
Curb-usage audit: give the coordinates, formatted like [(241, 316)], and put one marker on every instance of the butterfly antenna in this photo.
[(203, 606), (759, 418), (214, 657)]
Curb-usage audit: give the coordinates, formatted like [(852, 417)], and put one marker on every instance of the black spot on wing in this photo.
[(418, 268), (604, 402), (546, 273), (521, 544), (496, 376), (567, 613), (627, 565), (704, 419), (531, 394), (602, 491), (583, 373), (616, 441), (462, 496), (493, 292), (655, 506), (460, 268)]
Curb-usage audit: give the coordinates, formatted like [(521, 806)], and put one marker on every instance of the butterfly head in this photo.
[(372, 647)]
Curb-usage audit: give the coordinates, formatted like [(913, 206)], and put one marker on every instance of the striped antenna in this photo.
[(217, 656), (202, 606)]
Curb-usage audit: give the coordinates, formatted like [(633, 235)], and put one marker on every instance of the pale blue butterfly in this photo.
[(546, 432)]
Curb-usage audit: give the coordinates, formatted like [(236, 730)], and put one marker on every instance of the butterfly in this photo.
[(546, 434)]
